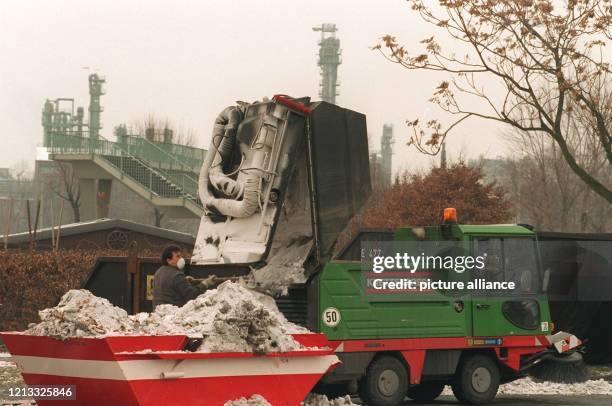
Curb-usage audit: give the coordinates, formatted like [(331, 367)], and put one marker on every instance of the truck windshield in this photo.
[(509, 259)]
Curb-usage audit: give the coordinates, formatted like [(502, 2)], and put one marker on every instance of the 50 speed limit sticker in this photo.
[(331, 317)]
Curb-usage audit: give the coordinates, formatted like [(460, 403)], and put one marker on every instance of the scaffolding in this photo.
[(59, 116), (95, 108), (386, 154), (329, 59)]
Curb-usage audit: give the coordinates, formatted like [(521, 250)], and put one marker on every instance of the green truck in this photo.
[(394, 346), (287, 173)]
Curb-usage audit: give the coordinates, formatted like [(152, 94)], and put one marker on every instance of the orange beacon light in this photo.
[(450, 215)]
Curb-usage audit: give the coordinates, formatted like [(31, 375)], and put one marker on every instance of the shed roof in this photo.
[(105, 224)]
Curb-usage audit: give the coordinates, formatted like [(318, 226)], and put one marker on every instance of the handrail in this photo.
[(155, 145), (154, 152), (182, 157), (172, 178), (172, 157), (102, 146)]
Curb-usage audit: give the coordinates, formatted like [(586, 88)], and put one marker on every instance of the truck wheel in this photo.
[(385, 382), (426, 391), (477, 380)]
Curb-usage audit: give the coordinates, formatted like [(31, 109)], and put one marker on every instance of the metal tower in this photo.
[(386, 153), (95, 108), (58, 118), (329, 59)]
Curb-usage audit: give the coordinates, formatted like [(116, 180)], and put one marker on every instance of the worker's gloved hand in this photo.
[(192, 280), (209, 282)]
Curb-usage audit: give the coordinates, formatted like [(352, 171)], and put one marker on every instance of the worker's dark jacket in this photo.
[(171, 287)]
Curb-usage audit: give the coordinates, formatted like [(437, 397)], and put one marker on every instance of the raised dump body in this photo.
[(282, 179)]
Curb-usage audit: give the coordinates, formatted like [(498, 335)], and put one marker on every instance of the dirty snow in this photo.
[(81, 314), (229, 318), (9, 377), (255, 400), (5, 360), (528, 386), (283, 268), (314, 399)]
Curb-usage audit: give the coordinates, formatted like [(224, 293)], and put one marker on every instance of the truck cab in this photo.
[(510, 253)]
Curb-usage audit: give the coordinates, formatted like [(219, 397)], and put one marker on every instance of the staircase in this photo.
[(144, 175), (171, 186)]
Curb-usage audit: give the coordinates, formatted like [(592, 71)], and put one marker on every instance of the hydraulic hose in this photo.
[(220, 151)]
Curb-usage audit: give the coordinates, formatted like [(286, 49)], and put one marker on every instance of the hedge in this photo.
[(34, 280)]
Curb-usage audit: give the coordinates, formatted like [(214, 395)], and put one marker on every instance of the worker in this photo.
[(171, 286)]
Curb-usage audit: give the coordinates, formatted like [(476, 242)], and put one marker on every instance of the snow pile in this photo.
[(4, 356), (255, 400), (229, 318), (314, 399), (528, 386), (81, 314)]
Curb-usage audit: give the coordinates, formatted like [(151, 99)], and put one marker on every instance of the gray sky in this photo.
[(187, 60)]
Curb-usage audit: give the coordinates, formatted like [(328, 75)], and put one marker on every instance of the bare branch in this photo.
[(549, 60)]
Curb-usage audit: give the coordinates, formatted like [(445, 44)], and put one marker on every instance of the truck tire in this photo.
[(385, 382), (425, 391), (477, 380)]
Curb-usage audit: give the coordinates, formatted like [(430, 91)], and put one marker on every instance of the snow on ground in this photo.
[(4, 356), (528, 386), (9, 376), (314, 399), (229, 318), (255, 400)]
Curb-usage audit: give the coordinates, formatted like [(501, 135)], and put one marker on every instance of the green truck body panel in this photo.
[(387, 316)]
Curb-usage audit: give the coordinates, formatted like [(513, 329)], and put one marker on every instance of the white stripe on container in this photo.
[(189, 368)]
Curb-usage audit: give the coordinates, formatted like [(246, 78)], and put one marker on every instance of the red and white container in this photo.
[(152, 370)]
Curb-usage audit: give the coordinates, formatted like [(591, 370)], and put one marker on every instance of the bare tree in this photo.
[(549, 61), (67, 188), (159, 126), (545, 191), (22, 171)]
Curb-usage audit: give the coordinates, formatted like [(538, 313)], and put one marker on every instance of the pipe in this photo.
[(220, 151), (224, 130), (226, 126)]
